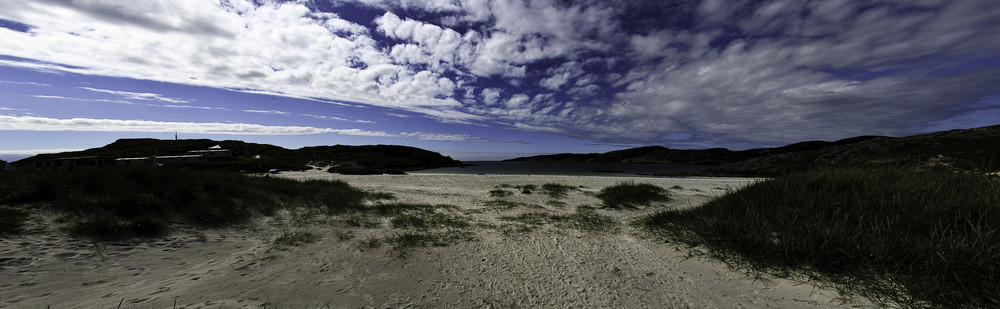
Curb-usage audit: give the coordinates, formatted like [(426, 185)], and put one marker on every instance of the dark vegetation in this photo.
[(632, 195), (377, 159), (553, 190), (584, 219), (919, 238), (12, 220), (973, 150), (124, 202), (372, 159), (557, 191), (417, 225)]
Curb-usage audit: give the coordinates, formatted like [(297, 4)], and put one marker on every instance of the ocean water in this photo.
[(563, 168)]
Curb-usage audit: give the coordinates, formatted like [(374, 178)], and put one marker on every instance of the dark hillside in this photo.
[(961, 150), (373, 159), (969, 150)]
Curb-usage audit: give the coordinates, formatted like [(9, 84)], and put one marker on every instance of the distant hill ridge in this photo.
[(370, 159), (975, 149)]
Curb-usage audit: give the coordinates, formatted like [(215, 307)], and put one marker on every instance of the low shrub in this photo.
[(632, 195)]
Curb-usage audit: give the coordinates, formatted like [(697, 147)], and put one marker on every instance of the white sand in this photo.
[(550, 267)]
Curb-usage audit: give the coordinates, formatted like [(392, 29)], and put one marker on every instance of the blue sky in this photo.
[(481, 79)]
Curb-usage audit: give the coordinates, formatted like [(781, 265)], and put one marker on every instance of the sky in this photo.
[(487, 80)]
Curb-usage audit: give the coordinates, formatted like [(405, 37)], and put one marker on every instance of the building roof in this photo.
[(139, 158), (180, 156)]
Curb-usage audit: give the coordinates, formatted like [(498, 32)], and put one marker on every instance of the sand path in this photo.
[(549, 267)]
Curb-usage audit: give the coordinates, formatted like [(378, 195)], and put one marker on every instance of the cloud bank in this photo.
[(31, 123), (711, 72)]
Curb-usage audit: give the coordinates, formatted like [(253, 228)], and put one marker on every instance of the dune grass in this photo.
[(501, 205), (412, 225), (399, 243), (584, 219), (910, 237), (124, 202), (499, 192), (557, 191), (632, 195), (296, 238)]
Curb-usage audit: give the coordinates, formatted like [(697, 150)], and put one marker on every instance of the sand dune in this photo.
[(549, 266)]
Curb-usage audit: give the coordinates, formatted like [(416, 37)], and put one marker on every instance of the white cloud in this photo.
[(23, 83), (31, 123), (561, 75), (194, 107), (143, 96), (652, 45), (436, 46), (490, 95), (275, 47), (57, 97), (337, 118), (269, 112)]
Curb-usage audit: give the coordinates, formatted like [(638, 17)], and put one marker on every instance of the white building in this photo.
[(182, 159), (213, 152), (134, 161)]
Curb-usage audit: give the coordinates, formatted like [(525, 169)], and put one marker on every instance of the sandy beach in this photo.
[(548, 266)]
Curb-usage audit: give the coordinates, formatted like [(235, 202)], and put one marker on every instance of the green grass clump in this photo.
[(124, 202), (498, 192), (530, 187), (295, 238), (632, 195), (912, 237), (505, 190), (500, 205), (584, 219), (357, 219), (12, 220), (556, 191), (400, 242), (423, 225), (587, 219), (369, 243), (429, 220)]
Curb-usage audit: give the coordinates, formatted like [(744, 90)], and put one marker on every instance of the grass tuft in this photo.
[(12, 220), (413, 239), (584, 219), (429, 220), (557, 191), (632, 195), (295, 238), (498, 192), (369, 243), (916, 238), (500, 205)]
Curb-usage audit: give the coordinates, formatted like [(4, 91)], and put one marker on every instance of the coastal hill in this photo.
[(975, 149), (369, 159)]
